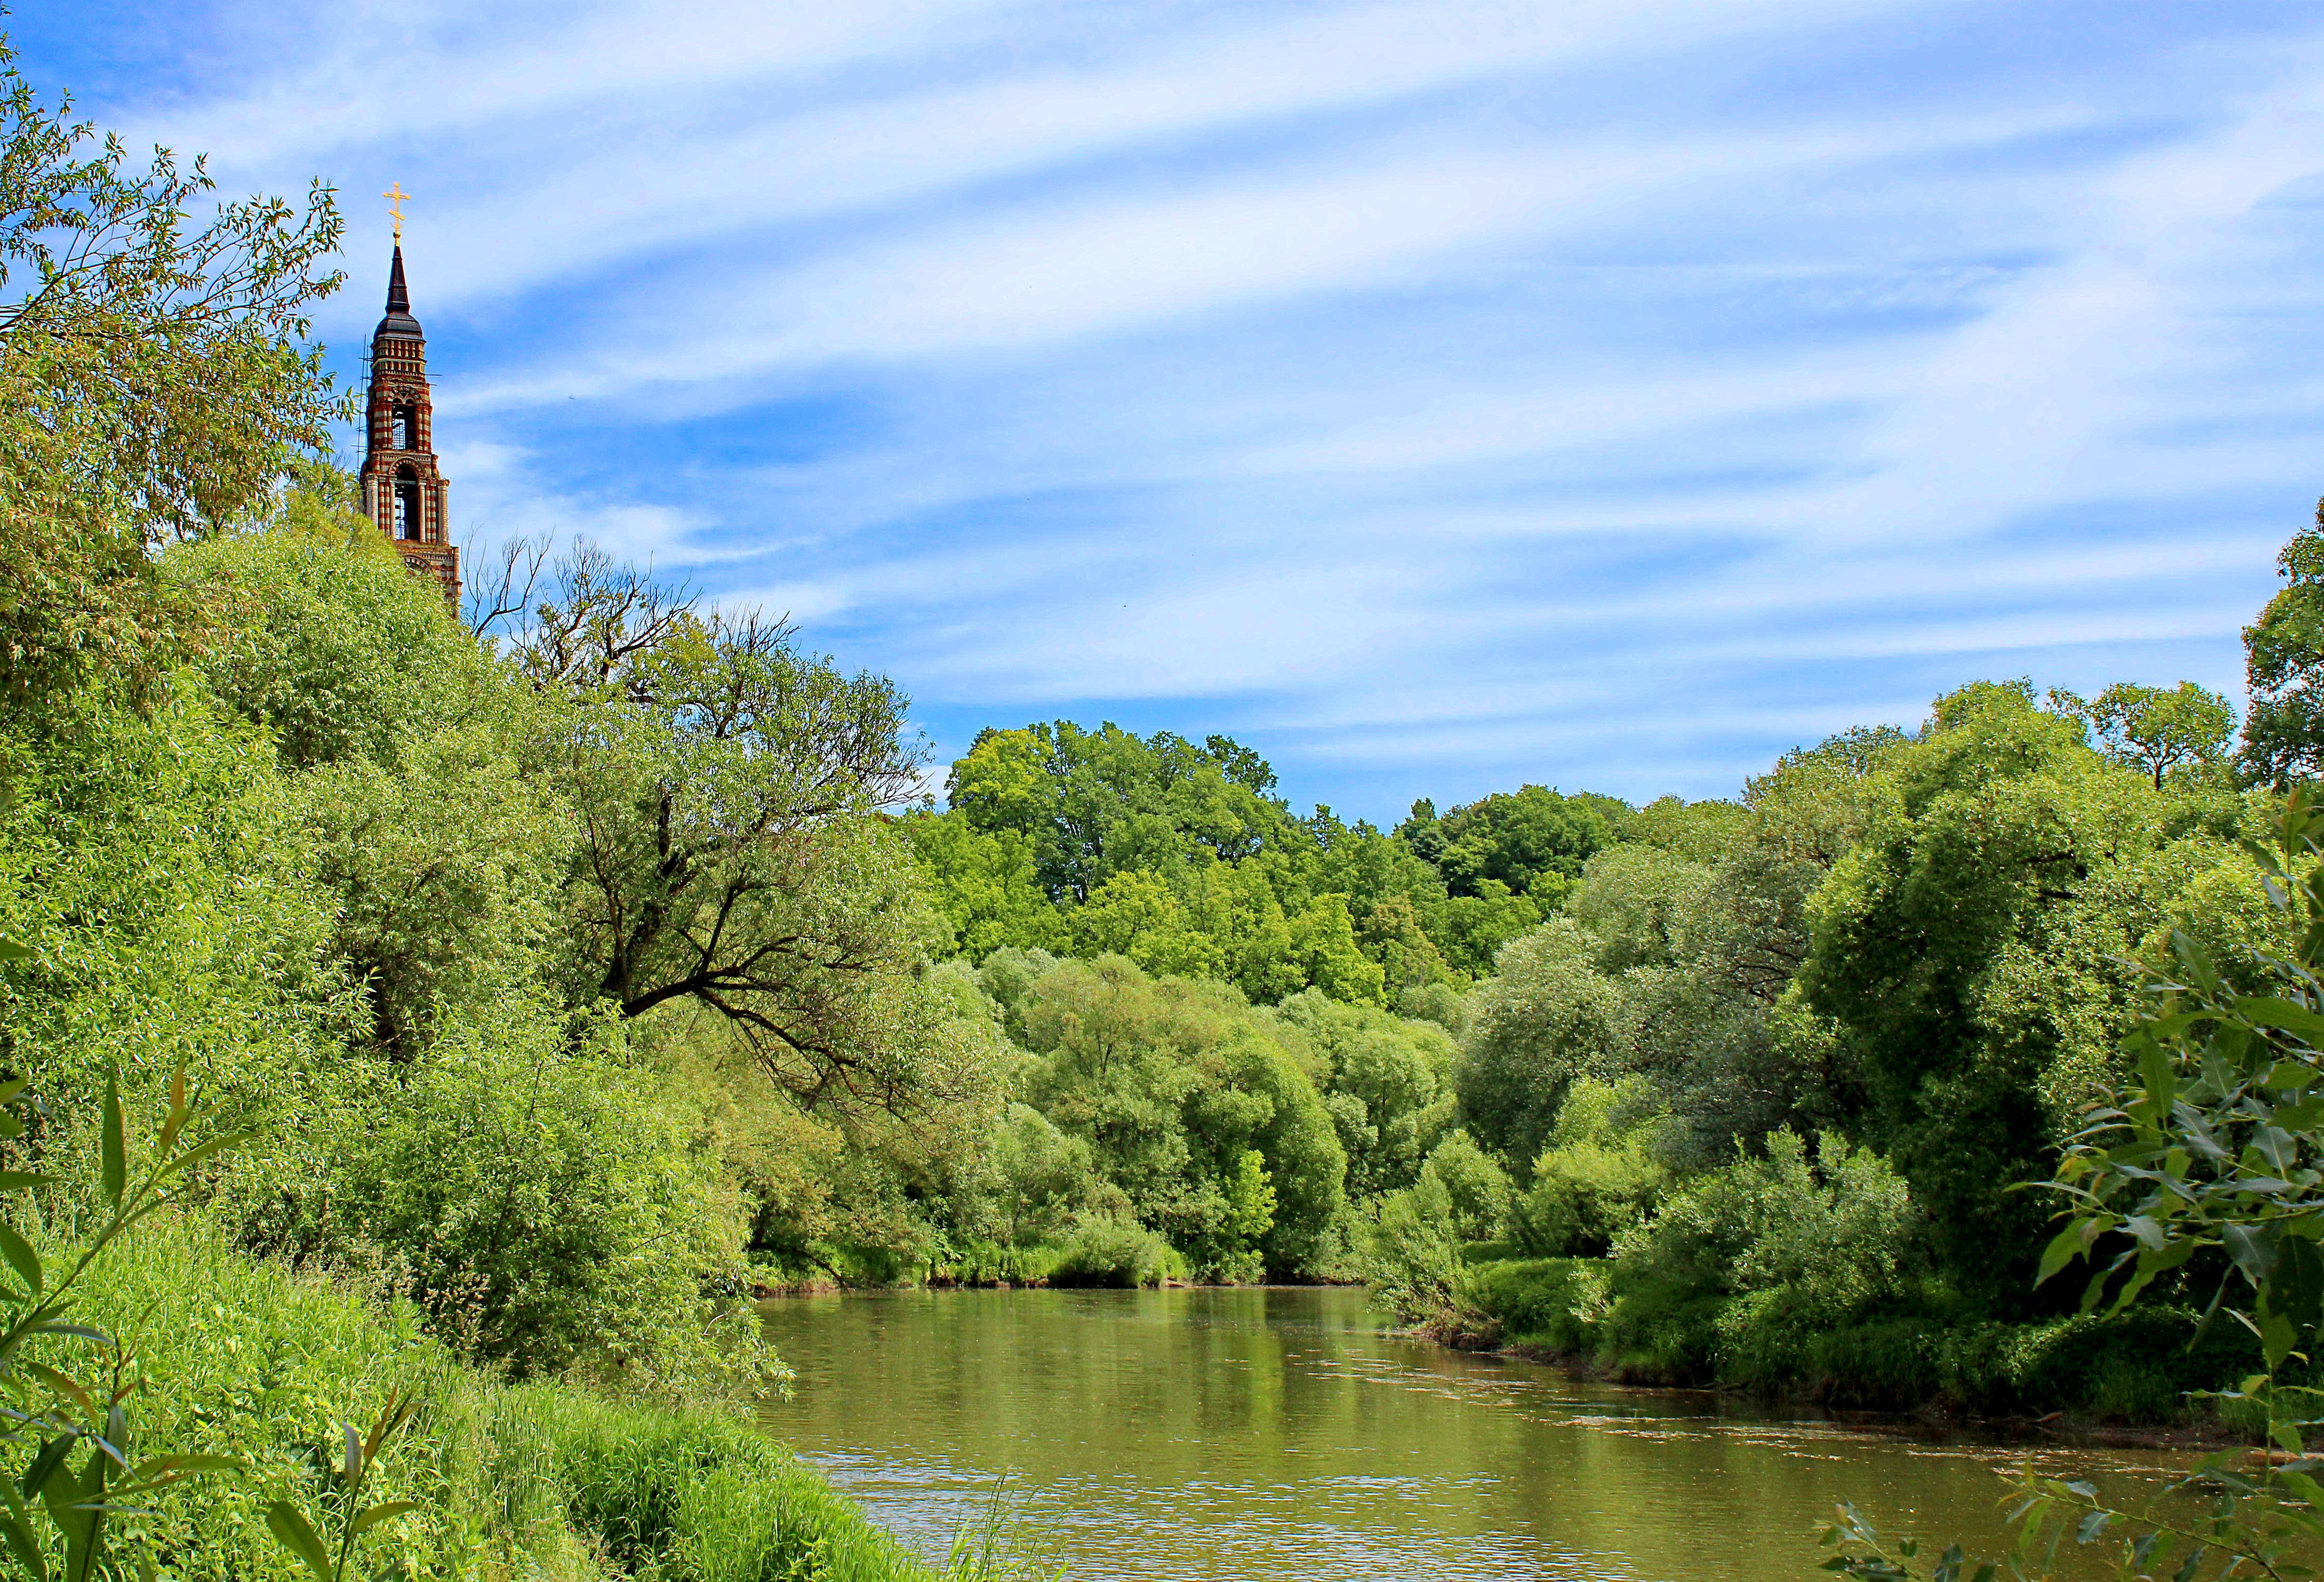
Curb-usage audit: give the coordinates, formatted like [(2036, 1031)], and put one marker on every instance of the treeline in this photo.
[(1731, 1090)]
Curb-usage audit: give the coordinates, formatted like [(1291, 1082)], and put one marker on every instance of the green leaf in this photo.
[(64, 1387), (2064, 1249), (155, 1464), (2297, 1289), (52, 1454), (113, 1133), (201, 1151), (177, 1115), (23, 1259), (24, 1546), (2277, 1339), (385, 1512), (17, 1181), (2271, 1012), (2252, 1248), (13, 950), (294, 1533)]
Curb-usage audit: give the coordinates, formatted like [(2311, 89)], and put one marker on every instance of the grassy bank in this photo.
[(547, 1479), (2138, 1366)]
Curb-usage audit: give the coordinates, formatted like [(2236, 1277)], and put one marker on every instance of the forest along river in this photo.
[(1280, 1434)]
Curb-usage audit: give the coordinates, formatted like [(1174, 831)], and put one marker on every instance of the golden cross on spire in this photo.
[(396, 196)]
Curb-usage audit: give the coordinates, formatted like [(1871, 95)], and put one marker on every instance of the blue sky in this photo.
[(1436, 395)]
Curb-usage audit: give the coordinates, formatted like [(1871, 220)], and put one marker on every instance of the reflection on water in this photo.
[(1278, 1434)]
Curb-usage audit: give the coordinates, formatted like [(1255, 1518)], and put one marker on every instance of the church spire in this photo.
[(403, 489)]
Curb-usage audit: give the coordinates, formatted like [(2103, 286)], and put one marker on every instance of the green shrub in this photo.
[(1661, 1331), (1596, 1178), (2137, 1364), (696, 1495), (1815, 1244), (1553, 1304), (1477, 1190), (540, 1205), (1112, 1252), (986, 1263)]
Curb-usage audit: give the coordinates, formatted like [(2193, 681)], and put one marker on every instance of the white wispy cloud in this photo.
[(1605, 391)]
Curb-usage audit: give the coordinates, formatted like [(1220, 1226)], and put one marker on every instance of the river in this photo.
[(1280, 1434)]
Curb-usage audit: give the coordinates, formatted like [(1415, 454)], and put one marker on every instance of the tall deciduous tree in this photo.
[(155, 380), (727, 789), (2283, 733), (2156, 729)]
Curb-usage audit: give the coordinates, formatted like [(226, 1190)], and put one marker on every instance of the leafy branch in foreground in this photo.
[(2216, 1147), (52, 1416), (50, 1413), (297, 1532)]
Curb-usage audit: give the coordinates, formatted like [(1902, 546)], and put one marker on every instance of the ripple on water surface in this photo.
[(1280, 1434)]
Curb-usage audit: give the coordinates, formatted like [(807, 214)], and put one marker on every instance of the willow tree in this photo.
[(728, 789)]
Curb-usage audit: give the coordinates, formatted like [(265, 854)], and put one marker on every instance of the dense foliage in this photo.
[(1722, 1091), (577, 971), (533, 969)]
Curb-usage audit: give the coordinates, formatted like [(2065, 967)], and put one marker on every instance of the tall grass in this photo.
[(543, 1480)]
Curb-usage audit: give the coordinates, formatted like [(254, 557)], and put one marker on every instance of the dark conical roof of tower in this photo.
[(399, 324)]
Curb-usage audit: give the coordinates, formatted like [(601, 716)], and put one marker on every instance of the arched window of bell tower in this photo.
[(402, 426), (406, 502)]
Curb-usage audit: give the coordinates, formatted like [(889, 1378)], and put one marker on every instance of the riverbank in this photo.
[(2142, 1372), (560, 1480)]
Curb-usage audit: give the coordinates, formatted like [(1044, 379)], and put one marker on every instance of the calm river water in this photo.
[(1280, 1434)]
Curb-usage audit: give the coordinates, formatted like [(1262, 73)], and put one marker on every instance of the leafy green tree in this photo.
[(1477, 1190), (2152, 728), (1597, 1176), (727, 789), (1049, 1179), (328, 640), (446, 865), (541, 1204), (1104, 802), (1971, 947), (986, 885), (2200, 1168), (1392, 933), (1470, 931), (1135, 913), (1389, 1091), (1533, 841), (155, 382), (152, 869), (1176, 1083), (1753, 927), (1696, 831), (1638, 904), (2283, 733), (1545, 1019)]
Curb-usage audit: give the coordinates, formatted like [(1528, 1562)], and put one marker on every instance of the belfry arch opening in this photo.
[(402, 426), (406, 502)]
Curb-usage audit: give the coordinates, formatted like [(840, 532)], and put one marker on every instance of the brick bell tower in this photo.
[(403, 490)]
